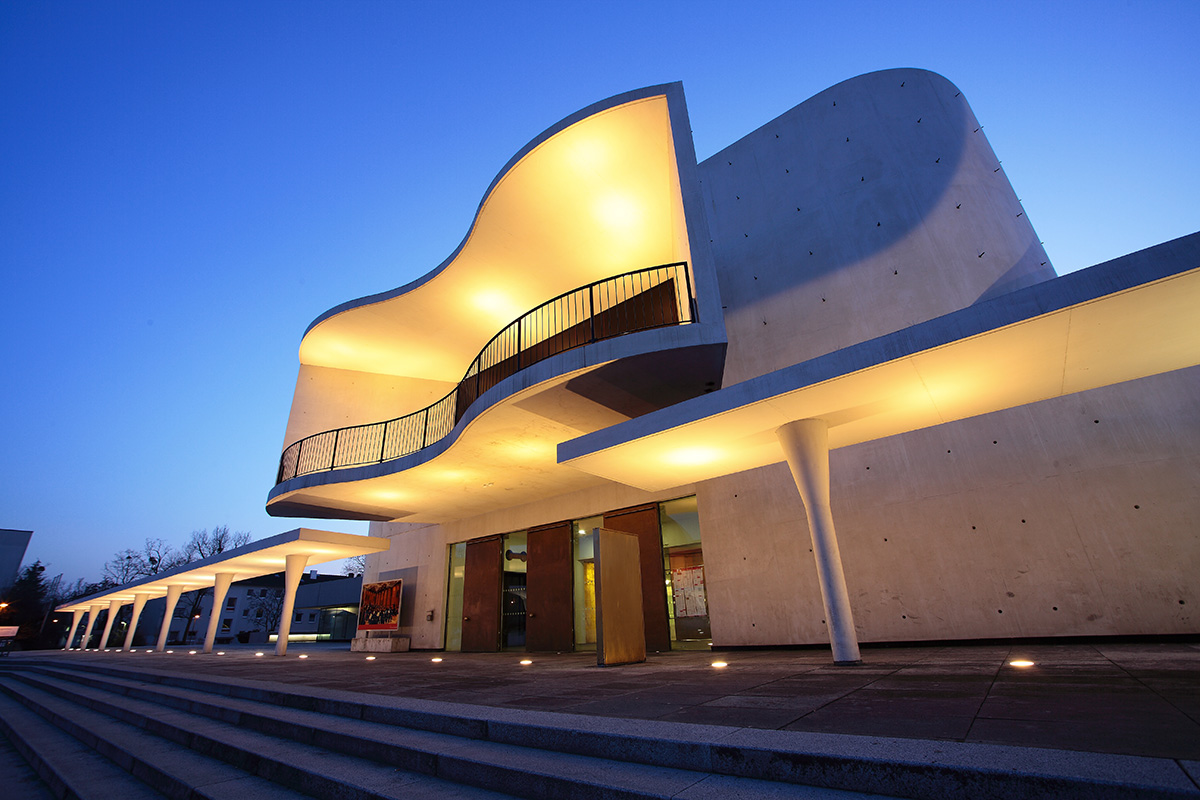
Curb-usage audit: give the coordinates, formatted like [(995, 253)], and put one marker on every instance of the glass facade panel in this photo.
[(683, 567), (454, 596), (585, 581), (512, 602)]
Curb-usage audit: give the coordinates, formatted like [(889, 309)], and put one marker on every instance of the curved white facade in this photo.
[(859, 221)]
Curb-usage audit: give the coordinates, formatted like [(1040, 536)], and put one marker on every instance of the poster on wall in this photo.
[(687, 584), (379, 609)]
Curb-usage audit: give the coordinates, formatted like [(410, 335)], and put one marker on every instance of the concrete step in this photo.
[(521, 771), (67, 768), (19, 778), (186, 756), (897, 767)]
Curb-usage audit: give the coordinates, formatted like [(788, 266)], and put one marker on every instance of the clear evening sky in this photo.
[(185, 186)]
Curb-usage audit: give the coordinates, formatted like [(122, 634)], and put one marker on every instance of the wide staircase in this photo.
[(86, 730)]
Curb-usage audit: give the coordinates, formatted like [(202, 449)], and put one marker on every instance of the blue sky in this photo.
[(185, 186)]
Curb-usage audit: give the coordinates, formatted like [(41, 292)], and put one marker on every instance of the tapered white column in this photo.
[(93, 612), (139, 602), (806, 446), (173, 593), (76, 615), (113, 607), (220, 589), (291, 581)]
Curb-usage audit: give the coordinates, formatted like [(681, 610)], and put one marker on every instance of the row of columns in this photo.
[(293, 571)]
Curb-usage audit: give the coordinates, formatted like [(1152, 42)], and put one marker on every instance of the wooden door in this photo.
[(481, 596), (642, 521), (548, 597)]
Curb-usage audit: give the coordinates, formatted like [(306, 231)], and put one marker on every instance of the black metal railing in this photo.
[(636, 301)]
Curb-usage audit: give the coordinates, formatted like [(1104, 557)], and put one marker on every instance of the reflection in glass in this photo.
[(583, 537)]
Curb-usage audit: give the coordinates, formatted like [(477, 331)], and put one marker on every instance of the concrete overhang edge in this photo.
[(1142, 268), (322, 546)]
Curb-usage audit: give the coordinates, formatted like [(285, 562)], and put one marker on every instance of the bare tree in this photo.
[(268, 608), (203, 544), (160, 556), (125, 566), (355, 565)]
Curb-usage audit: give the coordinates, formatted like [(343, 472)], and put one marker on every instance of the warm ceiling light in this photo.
[(1020, 663), (617, 211), (526, 662), (692, 456), (720, 664)]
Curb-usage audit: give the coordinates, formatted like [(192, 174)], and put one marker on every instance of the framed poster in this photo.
[(379, 609)]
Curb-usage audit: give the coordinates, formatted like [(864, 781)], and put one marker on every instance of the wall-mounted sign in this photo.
[(379, 609)]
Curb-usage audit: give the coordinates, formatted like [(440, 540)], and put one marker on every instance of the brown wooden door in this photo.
[(643, 523), (548, 589), (481, 596)]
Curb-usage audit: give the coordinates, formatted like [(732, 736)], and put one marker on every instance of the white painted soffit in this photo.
[(264, 557), (1007, 352), (596, 196)]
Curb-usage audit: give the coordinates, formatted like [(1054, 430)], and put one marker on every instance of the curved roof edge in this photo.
[(672, 91)]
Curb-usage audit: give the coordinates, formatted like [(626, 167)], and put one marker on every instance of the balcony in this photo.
[(645, 299)]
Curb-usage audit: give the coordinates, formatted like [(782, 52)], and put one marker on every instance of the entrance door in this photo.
[(481, 597), (548, 592), (643, 523)]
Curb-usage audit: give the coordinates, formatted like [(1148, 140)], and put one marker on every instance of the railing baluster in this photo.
[(630, 304)]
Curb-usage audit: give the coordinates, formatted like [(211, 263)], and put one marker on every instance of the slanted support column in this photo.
[(220, 589), (139, 602), (173, 593), (113, 607), (291, 581), (76, 615), (93, 612), (806, 446)]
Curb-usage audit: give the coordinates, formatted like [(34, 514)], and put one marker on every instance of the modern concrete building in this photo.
[(827, 376), (13, 544)]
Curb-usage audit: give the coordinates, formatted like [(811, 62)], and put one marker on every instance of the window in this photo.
[(245, 612), (258, 612), (299, 616), (226, 624), (312, 617), (230, 603)]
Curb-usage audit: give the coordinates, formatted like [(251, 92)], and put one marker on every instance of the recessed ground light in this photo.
[(170, 651), (720, 664), (220, 652), (525, 662), (436, 660), (303, 655), (1020, 663), (370, 658), (191, 652), (106, 649), (258, 654)]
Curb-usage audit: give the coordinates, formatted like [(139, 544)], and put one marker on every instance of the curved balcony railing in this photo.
[(636, 301)]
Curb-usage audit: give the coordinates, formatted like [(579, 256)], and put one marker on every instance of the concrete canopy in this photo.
[(1118, 321), (264, 557), (598, 195)]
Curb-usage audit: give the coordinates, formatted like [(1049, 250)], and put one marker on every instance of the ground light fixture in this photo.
[(1020, 662), (170, 651), (370, 658), (436, 660), (525, 662), (220, 652), (720, 664), (258, 655), (191, 652)]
